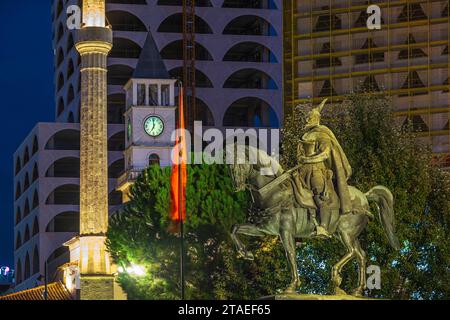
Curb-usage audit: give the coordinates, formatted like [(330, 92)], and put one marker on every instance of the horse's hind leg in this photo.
[(361, 257), (246, 229), (287, 233), (336, 277)]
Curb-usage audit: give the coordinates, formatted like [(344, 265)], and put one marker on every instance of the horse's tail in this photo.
[(384, 201)]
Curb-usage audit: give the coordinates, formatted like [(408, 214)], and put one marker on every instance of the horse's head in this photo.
[(249, 162), (240, 168)]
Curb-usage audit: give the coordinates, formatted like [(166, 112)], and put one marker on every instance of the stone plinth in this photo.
[(99, 287), (297, 296)]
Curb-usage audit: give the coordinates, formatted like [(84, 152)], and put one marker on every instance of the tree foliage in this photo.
[(141, 235)]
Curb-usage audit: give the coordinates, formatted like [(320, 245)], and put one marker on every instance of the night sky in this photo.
[(26, 91)]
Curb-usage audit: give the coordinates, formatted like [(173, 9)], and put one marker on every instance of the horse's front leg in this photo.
[(245, 229), (287, 235)]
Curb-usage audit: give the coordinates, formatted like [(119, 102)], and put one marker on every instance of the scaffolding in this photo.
[(189, 69), (413, 70)]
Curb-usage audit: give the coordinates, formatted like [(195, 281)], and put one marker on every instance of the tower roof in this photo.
[(150, 64)]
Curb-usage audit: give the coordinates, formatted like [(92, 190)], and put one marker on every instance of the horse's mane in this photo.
[(264, 160)]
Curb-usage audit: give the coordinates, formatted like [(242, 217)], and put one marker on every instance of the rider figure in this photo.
[(325, 169)]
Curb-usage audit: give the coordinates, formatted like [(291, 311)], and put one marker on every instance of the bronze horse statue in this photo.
[(273, 194)]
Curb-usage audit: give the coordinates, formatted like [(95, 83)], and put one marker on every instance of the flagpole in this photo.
[(180, 202)]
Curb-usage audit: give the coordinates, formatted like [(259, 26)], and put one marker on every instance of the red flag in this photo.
[(179, 168)]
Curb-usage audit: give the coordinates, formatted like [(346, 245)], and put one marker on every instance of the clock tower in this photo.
[(149, 117)]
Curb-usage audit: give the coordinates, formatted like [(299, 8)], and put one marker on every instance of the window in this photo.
[(141, 94), (153, 160), (65, 222), (165, 95), (153, 99)]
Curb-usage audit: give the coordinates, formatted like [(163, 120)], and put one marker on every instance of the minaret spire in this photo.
[(94, 42), (94, 13)]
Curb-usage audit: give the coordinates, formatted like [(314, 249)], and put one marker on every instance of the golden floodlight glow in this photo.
[(94, 13), (94, 43)]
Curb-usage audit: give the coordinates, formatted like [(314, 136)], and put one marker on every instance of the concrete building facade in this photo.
[(46, 207), (239, 82), (329, 51)]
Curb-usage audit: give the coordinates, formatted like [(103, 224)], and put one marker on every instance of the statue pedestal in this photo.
[(297, 296)]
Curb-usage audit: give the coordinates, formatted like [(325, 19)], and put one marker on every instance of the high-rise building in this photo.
[(238, 62), (329, 51)]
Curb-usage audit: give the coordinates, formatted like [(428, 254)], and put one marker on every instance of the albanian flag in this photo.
[(179, 169)]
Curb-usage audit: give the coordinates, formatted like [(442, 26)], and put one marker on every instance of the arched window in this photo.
[(174, 51), (35, 145), (18, 215), (250, 112), (18, 165), (250, 25), (71, 117), (68, 167), (174, 24), (60, 106), (125, 48), (70, 43), (26, 183), (68, 194), (35, 200), (116, 108), (35, 173), (35, 261), (26, 156), (60, 32), (117, 142), (65, 222), (27, 271), (18, 273), (250, 79), (125, 21), (18, 190), (154, 160), (250, 52), (64, 140), (35, 227), (59, 57), (119, 74), (59, 8), (70, 94), (70, 69), (60, 83), (18, 240), (26, 236), (26, 210), (203, 113), (201, 80), (116, 169)]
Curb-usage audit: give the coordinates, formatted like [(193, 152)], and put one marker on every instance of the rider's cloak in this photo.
[(337, 162)]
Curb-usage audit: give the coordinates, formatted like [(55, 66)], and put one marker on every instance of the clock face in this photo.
[(154, 126)]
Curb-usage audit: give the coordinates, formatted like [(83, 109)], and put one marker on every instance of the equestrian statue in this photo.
[(312, 200)]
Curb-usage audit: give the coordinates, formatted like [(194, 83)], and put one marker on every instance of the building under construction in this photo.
[(329, 51)]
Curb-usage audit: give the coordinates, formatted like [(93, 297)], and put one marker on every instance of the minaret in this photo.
[(94, 42)]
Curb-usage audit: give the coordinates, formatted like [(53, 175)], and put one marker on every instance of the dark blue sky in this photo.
[(26, 91)]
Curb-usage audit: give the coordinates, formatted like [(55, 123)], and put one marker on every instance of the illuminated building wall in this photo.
[(239, 83), (329, 51)]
